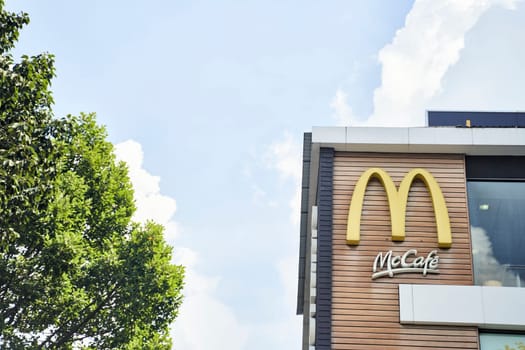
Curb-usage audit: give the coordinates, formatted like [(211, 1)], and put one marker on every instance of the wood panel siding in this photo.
[(365, 312)]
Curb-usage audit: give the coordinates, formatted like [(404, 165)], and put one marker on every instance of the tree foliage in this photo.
[(519, 346), (75, 271)]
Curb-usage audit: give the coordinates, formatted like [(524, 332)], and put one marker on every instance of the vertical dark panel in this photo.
[(307, 150), (323, 332)]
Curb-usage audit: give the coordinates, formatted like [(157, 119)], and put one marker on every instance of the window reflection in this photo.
[(497, 218), (491, 341)]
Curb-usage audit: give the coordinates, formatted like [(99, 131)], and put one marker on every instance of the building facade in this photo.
[(414, 238)]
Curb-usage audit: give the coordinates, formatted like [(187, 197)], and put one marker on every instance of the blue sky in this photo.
[(208, 100)]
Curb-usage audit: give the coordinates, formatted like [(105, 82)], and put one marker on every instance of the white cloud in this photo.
[(489, 271), (288, 268), (285, 156), (416, 61), (342, 111), (150, 203), (259, 196), (490, 74), (204, 322)]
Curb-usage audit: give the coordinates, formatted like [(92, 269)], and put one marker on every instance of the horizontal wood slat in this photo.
[(365, 312)]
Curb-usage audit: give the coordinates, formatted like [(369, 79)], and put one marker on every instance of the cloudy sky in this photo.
[(207, 101)]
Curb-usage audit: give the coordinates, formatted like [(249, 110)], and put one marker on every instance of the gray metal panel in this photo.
[(301, 285), (323, 336)]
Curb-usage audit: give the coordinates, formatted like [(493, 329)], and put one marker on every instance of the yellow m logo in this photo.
[(397, 200)]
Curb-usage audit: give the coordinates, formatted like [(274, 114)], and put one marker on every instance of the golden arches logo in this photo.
[(397, 200)]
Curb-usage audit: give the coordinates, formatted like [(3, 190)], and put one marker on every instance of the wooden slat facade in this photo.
[(365, 312)]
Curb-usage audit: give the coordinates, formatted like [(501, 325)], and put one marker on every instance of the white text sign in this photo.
[(390, 264)]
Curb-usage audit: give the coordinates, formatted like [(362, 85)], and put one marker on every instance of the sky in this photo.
[(207, 101)]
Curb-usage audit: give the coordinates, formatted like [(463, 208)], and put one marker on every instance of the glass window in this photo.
[(497, 219), (495, 341)]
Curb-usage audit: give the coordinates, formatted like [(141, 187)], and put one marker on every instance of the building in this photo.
[(414, 238)]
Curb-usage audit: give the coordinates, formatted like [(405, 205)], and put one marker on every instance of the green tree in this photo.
[(75, 272)]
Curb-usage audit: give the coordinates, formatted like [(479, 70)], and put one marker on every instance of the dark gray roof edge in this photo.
[(303, 231)]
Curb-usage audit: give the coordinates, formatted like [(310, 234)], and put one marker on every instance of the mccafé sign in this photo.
[(389, 264)]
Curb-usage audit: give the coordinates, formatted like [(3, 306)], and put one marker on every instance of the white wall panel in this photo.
[(485, 307)]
